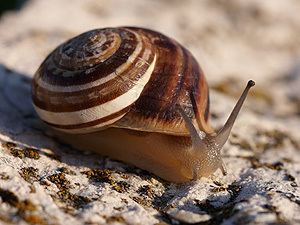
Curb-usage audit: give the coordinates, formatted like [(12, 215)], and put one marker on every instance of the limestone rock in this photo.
[(44, 181)]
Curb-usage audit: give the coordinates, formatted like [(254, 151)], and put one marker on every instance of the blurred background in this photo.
[(10, 5), (232, 40)]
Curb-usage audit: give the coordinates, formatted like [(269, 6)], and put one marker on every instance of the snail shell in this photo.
[(135, 95)]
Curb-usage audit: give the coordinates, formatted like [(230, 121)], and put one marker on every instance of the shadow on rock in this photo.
[(19, 124), (16, 106)]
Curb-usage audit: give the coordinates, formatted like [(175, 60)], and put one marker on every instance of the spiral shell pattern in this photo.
[(124, 77), (91, 80)]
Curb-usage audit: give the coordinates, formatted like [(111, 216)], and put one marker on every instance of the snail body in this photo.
[(135, 95)]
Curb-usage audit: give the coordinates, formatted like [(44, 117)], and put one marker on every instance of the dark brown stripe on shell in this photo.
[(91, 123), (156, 110), (55, 76), (156, 99), (199, 92), (160, 100), (206, 113), (102, 93), (196, 85), (184, 85)]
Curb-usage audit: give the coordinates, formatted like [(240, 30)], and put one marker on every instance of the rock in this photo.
[(44, 181), (188, 217)]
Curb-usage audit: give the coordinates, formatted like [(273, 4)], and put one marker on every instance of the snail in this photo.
[(135, 95)]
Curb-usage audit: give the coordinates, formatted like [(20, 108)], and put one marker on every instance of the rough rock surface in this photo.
[(44, 181)]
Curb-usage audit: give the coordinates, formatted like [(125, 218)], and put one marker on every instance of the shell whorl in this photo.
[(123, 77), (91, 80)]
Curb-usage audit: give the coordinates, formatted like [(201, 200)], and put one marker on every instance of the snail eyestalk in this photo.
[(196, 136), (223, 134)]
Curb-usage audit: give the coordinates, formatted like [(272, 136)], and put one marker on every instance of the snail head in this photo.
[(206, 147)]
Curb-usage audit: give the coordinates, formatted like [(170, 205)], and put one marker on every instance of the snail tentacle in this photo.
[(196, 135), (224, 133)]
